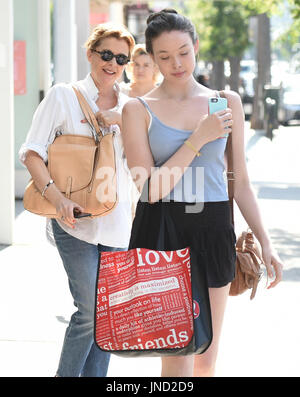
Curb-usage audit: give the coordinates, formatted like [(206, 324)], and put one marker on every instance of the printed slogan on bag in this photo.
[(144, 300)]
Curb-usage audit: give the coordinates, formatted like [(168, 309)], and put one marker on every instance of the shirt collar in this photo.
[(93, 92), (91, 88)]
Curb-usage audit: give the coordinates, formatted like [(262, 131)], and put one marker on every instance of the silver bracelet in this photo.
[(46, 187)]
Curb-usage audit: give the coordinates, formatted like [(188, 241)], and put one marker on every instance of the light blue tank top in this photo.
[(205, 178)]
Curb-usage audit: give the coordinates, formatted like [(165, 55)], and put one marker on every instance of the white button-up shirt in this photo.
[(60, 112)]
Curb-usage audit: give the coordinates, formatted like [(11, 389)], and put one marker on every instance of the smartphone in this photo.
[(216, 104), (78, 214)]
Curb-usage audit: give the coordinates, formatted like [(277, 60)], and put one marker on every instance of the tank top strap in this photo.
[(145, 104)]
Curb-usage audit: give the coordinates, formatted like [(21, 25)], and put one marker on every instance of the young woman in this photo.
[(79, 240), (169, 132), (142, 72)]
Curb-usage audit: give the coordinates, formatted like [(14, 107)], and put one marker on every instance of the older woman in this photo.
[(79, 241), (142, 72)]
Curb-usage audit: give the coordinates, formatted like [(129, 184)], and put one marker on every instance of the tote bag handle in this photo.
[(90, 116)]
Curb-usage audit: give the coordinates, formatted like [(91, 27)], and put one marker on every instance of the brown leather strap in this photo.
[(87, 111), (230, 173)]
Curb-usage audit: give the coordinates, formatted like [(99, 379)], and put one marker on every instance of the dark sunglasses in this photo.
[(107, 56)]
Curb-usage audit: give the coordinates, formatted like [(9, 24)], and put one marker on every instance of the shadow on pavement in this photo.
[(279, 193), (253, 140), (288, 248), (292, 274)]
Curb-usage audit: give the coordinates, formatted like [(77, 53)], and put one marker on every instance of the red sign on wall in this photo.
[(19, 67), (98, 17)]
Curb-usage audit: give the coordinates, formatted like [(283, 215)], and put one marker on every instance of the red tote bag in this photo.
[(147, 305)]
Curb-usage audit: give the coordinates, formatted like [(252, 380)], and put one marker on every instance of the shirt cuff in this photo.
[(39, 149)]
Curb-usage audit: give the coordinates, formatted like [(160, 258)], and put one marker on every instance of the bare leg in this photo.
[(177, 366), (205, 363)]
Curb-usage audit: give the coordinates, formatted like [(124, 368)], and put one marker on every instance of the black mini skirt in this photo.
[(204, 227)]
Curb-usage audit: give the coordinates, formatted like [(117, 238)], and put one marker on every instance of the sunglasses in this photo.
[(107, 56)]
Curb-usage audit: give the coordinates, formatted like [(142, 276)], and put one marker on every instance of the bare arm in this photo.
[(40, 175), (243, 192), (139, 156)]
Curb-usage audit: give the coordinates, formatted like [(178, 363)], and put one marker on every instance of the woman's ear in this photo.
[(89, 55)]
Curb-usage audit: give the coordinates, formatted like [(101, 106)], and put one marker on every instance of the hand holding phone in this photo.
[(78, 214), (216, 104)]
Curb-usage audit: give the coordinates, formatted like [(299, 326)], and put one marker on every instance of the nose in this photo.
[(112, 61), (176, 62)]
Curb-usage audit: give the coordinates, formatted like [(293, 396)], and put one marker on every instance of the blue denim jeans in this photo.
[(80, 356)]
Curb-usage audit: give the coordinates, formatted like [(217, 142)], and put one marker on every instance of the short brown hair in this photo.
[(105, 30)]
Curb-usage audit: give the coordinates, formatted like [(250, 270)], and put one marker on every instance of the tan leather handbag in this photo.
[(248, 256), (83, 168), (248, 265)]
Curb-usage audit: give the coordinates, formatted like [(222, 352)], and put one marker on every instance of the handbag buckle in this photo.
[(95, 135)]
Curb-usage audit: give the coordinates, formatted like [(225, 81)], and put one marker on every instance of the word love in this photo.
[(153, 258)]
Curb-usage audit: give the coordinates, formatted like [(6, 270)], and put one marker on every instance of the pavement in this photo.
[(260, 337)]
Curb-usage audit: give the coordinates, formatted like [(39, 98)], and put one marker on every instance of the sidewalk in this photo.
[(260, 337)]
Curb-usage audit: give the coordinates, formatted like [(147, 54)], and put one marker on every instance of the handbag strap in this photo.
[(230, 173), (89, 115)]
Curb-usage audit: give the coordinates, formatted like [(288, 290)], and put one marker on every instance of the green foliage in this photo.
[(295, 9), (256, 7), (223, 25), (288, 41)]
